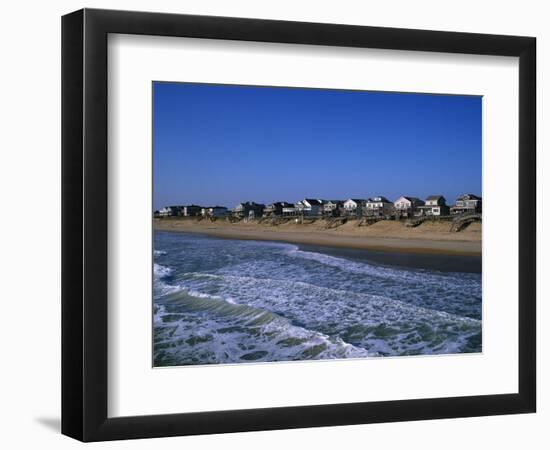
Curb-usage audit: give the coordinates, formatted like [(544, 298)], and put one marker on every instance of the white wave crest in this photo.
[(161, 271)]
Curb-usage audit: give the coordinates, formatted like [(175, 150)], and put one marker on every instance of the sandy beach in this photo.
[(429, 237)]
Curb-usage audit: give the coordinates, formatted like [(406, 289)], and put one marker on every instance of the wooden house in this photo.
[(289, 209), (192, 210), (248, 210), (435, 205), (332, 208), (214, 211), (171, 211), (276, 209), (467, 203), (354, 206), (312, 207), (406, 206), (299, 207), (378, 207)]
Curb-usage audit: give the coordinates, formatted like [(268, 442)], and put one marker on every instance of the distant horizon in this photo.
[(220, 145)]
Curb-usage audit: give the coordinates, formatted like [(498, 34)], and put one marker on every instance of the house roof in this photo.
[(313, 201), (357, 200), (253, 204), (410, 199), (378, 198), (434, 197), (282, 204), (468, 197)]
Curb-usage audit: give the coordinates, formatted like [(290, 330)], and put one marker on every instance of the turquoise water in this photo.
[(230, 301)]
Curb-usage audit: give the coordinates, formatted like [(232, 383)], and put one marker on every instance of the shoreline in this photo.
[(446, 244)]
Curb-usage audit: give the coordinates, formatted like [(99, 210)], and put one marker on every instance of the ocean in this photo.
[(221, 301)]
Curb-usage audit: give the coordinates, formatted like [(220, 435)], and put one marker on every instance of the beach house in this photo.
[(191, 210), (378, 206), (171, 211), (248, 210), (214, 211), (406, 206), (299, 207), (276, 209), (312, 206), (467, 203), (435, 205), (331, 208), (354, 206), (289, 210)]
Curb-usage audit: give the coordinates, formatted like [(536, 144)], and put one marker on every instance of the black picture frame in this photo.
[(84, 224)]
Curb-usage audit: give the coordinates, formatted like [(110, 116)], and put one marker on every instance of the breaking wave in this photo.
[(223, 301)]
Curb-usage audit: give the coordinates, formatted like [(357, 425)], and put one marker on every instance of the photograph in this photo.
[(298, 224)]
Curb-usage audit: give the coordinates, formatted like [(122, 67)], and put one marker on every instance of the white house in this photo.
[(435, 206), (215, 211), (299, 207), (289, 209), (165, 212), (169, 211), (407, 206), (312, 206), (378, 207), (353, 206)]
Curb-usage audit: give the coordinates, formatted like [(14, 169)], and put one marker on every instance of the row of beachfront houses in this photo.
[(192, 211), (375, 207)]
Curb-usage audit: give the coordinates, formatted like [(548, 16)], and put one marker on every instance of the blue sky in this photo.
[(219, 145)]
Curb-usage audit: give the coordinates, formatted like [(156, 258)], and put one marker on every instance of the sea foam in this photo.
[(248, 301)]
